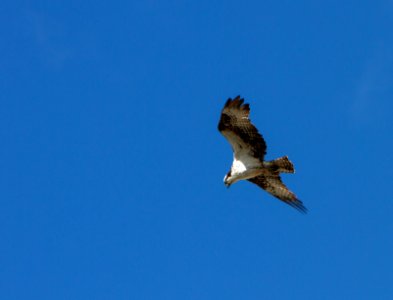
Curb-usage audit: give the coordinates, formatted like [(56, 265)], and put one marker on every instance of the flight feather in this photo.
[(237, 128)]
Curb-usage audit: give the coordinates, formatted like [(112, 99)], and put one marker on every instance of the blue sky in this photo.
[(112, 165)]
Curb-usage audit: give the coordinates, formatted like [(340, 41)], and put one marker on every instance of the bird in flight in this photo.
[(249, 149)]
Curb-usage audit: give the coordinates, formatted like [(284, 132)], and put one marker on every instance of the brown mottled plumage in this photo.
[(249, 149)]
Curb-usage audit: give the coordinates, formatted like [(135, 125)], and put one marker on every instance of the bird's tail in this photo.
[(282, 165)]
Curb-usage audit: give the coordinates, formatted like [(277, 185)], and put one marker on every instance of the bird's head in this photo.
[(227, 179)]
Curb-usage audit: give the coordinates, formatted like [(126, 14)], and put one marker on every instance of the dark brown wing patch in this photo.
[(234, 121), (273, 185)]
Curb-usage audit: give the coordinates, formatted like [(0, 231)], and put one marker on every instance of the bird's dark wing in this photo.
[(273, 185), (239, 131)]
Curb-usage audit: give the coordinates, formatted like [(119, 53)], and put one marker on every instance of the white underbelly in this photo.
[(245, 170), (238, 167)]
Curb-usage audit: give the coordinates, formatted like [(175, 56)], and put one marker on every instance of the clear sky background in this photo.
[(112, 166)]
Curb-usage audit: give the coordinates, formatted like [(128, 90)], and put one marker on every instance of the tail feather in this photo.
[(283, 165)]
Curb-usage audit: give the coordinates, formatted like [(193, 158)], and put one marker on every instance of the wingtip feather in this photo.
[(238, 103), (298, 205)]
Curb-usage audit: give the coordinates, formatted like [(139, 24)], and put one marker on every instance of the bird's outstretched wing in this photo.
[(273, 185), (239, 131)]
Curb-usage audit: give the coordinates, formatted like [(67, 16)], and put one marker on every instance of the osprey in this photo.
[(249, 149)]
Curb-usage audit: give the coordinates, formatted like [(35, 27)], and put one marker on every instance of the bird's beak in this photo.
[(227, 185)]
